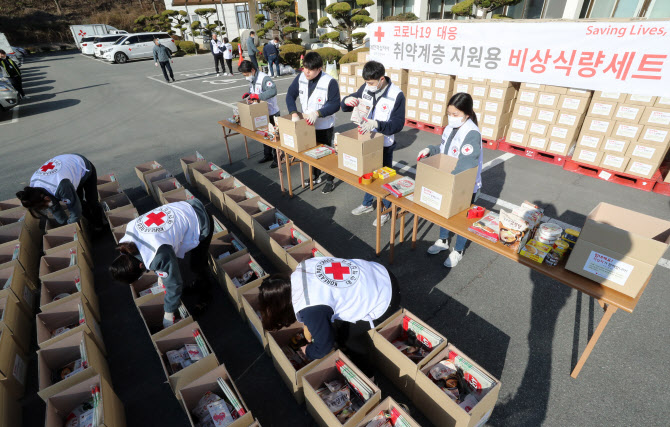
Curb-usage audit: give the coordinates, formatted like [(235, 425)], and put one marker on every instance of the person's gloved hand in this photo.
[(246, 95), (295, 117), (367, 126), (310, 117), (254, 98), (352, 101), (168, 320), (423, 153)]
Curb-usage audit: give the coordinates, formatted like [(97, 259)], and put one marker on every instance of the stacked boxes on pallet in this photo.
[(427, 97), (351, 78), (493, 102)]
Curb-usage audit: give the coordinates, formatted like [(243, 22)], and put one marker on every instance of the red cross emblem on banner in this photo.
[(466, 150), (48, 167), (82, 33), (379, 34), (154, 218), (337, 270)]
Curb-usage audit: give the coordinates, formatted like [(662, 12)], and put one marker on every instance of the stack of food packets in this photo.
[(188, 354), (320, 151), (293, 351), (255, 272), (345, 394), (213, 410), (384, 173), (487, 227), (155, 289), (391, 418), (416, 341), (81, 415), (401, 187), (535, 251), (548, 233), (517, 226)]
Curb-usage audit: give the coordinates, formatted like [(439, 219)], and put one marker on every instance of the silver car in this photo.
[(9, 98)]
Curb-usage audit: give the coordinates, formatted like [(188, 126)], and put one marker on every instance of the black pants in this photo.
[(253, 60), (18, 84), (218, 58), (353, 338), (166, 65), (200, 255), (268, 151), (323, 136), (229, 62), (87, 191)]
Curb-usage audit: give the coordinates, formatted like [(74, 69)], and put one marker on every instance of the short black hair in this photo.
[(276, 39), (225, 39), (373, 70), (246, 66), (252, 33), (312, 61), (3, 52)]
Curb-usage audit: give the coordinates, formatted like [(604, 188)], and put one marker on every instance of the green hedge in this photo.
[(235, 47), (329, 54), (290, 54), (353, 55), (186, 46)]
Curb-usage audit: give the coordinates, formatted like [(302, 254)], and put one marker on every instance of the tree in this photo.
[(206, 13), (195, 28), (179, 19), (58, 8), (284, 22), (347, 20), (465, 7)]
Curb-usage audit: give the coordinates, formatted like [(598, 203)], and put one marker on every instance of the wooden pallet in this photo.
[(661, 186), (492, 144), (621, 178), (542, 156), (437, 130)]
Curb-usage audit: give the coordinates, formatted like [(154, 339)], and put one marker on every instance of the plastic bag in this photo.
[(331, 68)]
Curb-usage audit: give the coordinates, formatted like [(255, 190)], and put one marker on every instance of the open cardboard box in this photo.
[(216, 195), (222, 245), (303, 251), (296, 136), (250, 305), (66, 282), (11, 414), (21, 214), (165, 186), (17, 247), (121, 217), (13, 280), (236, 267), (64, 315), (262, 223), (61, 404), (326, 370), (253, 116), (440, 191), (81, 227), (145, 168), (113, 203), (397, 367), (106, 179), (109, 190), (186, 163), (439, 408), (387, 405), (219, 228), (281, 237), (291, 377), (360, 154), (198, 170), (206, 181), (178, 195), (235, 195), (16, 320), (64, 237), (155, 176), (176, 340), (13, 364), (50, 359), (61, 260), (152, 311), (245, 211), (191, 393), (146, 281), (10, 204), (619, 248), (119, 232)]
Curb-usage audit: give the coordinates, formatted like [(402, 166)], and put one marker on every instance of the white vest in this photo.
[(216, 45), (175, 224), (65, 166), (383, 109), (273, 107), (228, 51), (455, 148), (353, 288), (317, 100)]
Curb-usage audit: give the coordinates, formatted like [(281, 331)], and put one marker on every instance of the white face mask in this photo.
[(250, 78), (456, 122), (374, 89)]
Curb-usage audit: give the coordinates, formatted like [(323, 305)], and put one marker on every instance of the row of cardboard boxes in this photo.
[(278, 242)]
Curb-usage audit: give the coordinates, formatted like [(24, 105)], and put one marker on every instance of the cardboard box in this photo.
[(614, 162), (66, 282), (412, 103), (626, 130), (414, 79), (548, 100), (497, 107), (496, 120), (562, 133), (538, 142), (251, 309), (655, 135), (645, 152), (105, 179), (438, 190), (234, 196), (500, 83), (65, 315), (598, 126), (360, 81), (398, 76), (245, 212), (525, 112), (178, 195), (146, 281), (185, 165), (628, 113), (570, 119), (152, 310), (502, 94), (16, 282), (587, 156), (21, 214), (580, 92), (165, 186), (478, 104), (52, 358), (538, 128), (359, 154), (426, 81), (439, 120), (343, 79), (438, 108), (13, 364), (61, 261), (423, 105), (16, 320), (191, 393), (303, 251), (10, 204), (281, 240), (442, 96), (619, 248), (479, 90), (350, 68), (614, 145), (427, 94), (234, 268), (17, 247), (655, 116), (155, 176), (217, 194), (142, 170), (118, 201), (519, 124), (411, 114), (555, 89), (439, 408), (397, 367), (444, 84), (532, 86), (11, 414), (642, 169), (326, 370), (663, 102), (291, 377), (62, 404), (253, 116), (559, 147), (609, 96), (462, 87), (641, 100), (573, 104), (602, 109), (112, 188), (296, 136), (66, 237), (221, 248), (493, 132), (351, 81), (118, 233), (122, 217), (197, 170), (527, 97), (546, 116), (517, 138), (387, 405)]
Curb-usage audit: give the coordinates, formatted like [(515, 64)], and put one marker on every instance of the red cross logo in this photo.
[(337, 270), (379, 34), (82, 33), (454, 150), (318, 100), (154, 218), (466, 150), (384, 108), (48, 167)]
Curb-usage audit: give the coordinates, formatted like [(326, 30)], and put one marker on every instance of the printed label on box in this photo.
[(546, 99), (589, 141), (352, 81), (664, 100), (599, 126), (614, 145), (437, 120), (610, 95), (559, 132), (476, 104), (19, 370), (496, 93), (349, 162), (600, 109), (527, 96), (462, 87), (479, 91), (437, 108), (613, 161), (288, 140), (656, 135), (414, 92), (532, 85), (545, 116), (440, 83), (642, 98), (426, 82), (538, 128), (525, 111), (644, 151), (571, 103), (567, 119), (641, 168), (627, 131), (440, 96), (659, 117), (588, 156), (423, 105), (491, 106), (537, 142), (431, 198), (519, 124), (487, 131), (411, 102), (414, 80), (627, 112), (260, 121), (427, 94), (411, 114), (424, 117), (557, 146), (490, 120), (516, 137), (609, 268)]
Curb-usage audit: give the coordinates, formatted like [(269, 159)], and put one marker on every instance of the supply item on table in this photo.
[(361, 111), (320, 151), (345, 394), (513, 230), (401, 187), (535, 251), (488, 227), (214, 411), (384, 173), (392, 418), (548, 233)]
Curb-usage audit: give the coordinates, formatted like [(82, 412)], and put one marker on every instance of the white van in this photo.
[(103, 42), (136, 46)]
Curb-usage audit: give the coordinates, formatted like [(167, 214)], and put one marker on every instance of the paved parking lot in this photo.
[(524, 328)]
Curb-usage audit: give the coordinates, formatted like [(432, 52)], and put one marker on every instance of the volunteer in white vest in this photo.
[(68, 178), (261, 88), (157, 240), (337, 300), (217, 53), (387, 117), (228, 55), (319, 96), (463, 140)]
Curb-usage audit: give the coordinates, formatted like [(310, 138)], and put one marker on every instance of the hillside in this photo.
[(34, 23)]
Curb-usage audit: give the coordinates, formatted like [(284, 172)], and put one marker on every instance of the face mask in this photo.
[(250, 78), (456, 122), (374, 89)]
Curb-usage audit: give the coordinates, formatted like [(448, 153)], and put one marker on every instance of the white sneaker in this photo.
[(362, 209), (438, 247), (218, 75), (452, 260), (385, 219)]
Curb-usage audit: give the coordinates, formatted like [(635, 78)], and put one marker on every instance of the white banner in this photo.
[(629, 57)]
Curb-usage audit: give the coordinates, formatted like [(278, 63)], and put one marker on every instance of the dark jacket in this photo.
[(10, 67), (332, 105), (270, 51), (396, 120)]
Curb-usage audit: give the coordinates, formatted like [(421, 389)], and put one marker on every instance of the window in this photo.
[(131, 40), (659, 9), (440, 9), (312, 17), (625, 9), (528, 9), (164, 36), (146, 38), (242, 12), (396, 7)]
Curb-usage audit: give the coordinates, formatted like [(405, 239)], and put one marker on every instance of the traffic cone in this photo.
[(301, 58)]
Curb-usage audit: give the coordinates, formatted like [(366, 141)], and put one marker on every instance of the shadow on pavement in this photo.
[(39, 89), (38, 83), (45, 107)]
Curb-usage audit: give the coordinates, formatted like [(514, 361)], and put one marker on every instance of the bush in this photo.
[(329, 54), (236, 40), (236, 49), (402, 17), (290, 54), (353, 55), (187, 47)]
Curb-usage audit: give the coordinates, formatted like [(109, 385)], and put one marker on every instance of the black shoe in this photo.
[(265, 159), (328, 187), (273, 165), (173, 80)]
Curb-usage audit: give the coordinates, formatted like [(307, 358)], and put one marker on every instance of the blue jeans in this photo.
[(274, 60), (387, 160), (460, 240)]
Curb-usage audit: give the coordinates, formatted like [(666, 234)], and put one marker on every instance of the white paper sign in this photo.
[(350, 162), (609, 268), (19, 370), (288, 140), (261, 121), (431, 198)]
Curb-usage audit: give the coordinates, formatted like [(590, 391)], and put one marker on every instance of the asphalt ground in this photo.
[(525, 329)]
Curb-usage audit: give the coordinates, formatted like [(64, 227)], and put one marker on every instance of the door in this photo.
[(129, 47), (145, 46)]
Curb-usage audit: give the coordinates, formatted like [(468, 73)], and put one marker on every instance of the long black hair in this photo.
[(275, 302), (126, 268), (463, 101), (33, 199)]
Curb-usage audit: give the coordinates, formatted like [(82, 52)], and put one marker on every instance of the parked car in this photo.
[(92, 30), (136, 46), (21, 50), (103, 42), (87, 45), (11, 53), (9, 97)]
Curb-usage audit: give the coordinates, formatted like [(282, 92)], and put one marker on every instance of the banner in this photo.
[(628, 57)]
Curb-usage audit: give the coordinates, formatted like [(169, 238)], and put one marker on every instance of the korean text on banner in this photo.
[(627, 57)]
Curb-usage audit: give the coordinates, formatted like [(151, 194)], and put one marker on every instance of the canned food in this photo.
[(549, 229), (561, 246), (570, 235)]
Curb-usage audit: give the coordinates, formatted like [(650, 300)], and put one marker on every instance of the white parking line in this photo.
[(15, 116), (192, 93), (96, 59)]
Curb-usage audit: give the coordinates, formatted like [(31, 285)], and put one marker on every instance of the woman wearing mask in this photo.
[(463, 140)]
